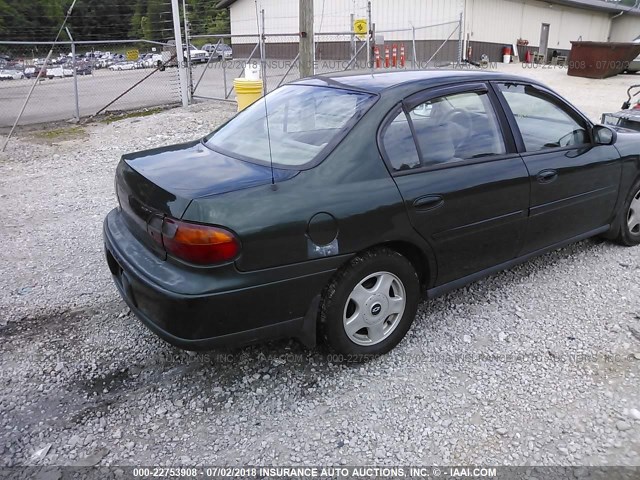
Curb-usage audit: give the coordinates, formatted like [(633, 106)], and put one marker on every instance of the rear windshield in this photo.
[(304, 123)]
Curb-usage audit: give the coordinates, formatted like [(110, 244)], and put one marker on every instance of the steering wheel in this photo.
[(463, 125), (570, 138)]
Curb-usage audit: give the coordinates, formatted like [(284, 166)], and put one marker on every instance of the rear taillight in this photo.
[(195, 243)]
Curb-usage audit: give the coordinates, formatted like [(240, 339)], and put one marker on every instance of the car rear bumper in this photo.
[(199, 309)]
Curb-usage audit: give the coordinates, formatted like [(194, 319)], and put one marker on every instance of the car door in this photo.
[(465, 187), (574, 182)]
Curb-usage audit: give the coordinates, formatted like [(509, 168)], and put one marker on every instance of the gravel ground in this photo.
[(538, 365)]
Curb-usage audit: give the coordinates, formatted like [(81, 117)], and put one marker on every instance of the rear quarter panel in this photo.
[(352, 185)]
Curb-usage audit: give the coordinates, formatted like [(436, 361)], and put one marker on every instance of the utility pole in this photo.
[(460, 40), (306, 39), (352, 19), (177, 35)]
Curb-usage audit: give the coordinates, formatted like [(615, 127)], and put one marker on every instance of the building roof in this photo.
[(599, 5)]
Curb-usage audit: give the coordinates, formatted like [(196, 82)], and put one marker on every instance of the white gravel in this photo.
[(539, 365)]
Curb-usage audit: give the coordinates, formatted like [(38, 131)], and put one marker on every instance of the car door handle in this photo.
[(428, 202), (547, 176)]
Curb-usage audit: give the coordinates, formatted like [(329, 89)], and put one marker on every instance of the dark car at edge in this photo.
[(336, 203)]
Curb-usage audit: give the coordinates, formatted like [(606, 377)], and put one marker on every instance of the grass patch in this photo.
[(60, 134), (123, 116)]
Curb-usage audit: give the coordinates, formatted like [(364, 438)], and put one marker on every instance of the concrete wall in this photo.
[(501, 21), (281, 16), (328, 51), (488, 24), (625, 28)]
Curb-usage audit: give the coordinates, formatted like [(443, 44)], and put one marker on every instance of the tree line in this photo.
[(39, 20)]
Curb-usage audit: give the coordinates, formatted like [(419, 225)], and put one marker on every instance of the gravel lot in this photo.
[(539, 365)]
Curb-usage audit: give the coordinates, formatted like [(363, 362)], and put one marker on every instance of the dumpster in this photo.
[(601, 59)]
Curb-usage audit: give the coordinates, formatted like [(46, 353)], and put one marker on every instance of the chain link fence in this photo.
[(212, 78), (86, 78), (82, 79)]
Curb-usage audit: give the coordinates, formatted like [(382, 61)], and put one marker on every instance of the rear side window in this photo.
[(457, 127), (303, 122), (399, 145), (447, 129), (543, 124)]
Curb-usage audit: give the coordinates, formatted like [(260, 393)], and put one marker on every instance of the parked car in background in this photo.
[(59, 72), (219, 51), (7, 74), (224, 52), (359, 195), (634, 67), (123, 66), (84, 68), (209, 47), (32, 72), (104, 62), (93, 56), (150, 60), (196, 55)]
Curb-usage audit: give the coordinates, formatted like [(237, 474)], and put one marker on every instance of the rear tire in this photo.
[(369, 306), (629, 234)]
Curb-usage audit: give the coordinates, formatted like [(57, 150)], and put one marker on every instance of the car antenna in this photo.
[(263, 71), (266, 115)]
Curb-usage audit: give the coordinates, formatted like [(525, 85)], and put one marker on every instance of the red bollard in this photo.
[(528, 57), (395, 55), (386, 56), (402, 55), (376, 53)]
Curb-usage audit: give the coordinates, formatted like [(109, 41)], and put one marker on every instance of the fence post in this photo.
[(177, 34), (353, 35), (224, 71), (413, 42), (369, 31), (460, 40), (75, 75), (188, 49)]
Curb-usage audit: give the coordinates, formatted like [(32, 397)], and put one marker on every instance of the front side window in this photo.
[(294, 128), (542, 123)]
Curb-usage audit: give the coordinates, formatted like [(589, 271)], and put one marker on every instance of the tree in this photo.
[(206, 18), (40, 20), (135, 30)]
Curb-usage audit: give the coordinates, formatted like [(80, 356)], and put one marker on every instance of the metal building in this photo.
[(487, 25)]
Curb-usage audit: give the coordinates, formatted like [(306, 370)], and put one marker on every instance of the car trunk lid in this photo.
[(163, 181)]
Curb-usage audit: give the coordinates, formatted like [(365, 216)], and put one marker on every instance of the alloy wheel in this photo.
[(633, 218), (374, 308)]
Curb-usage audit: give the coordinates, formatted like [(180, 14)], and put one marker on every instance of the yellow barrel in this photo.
[(247, 91)]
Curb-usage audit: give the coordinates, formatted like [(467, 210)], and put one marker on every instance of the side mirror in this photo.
[(603, 135)]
